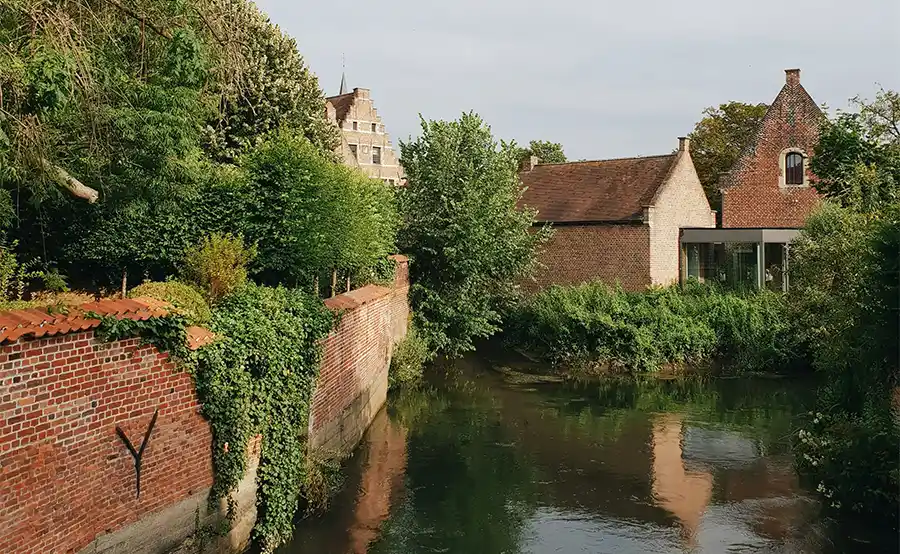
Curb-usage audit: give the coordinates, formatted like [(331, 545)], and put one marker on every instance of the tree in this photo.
[(718, 140), (547, 152), (857, 158), (468, 241)]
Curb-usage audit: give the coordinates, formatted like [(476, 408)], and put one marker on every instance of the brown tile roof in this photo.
[(603, 190), (37, 323), (341, 103), (356, 298)]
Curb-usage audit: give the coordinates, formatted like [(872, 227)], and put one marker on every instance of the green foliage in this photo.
[(857, 158), (845, 270), (468, 241), (645, 331), (258, 378), (547, 152), (218, 265), (166, 333), (140, 104), (408, 360), (184, 297), (267, 86), (310, 215), (15, 276), (718, 140)]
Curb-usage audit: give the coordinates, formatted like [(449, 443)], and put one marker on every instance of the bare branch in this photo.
[(161, 32)]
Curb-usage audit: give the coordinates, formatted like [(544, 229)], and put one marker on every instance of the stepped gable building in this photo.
[(766, 198), (615, 220), (364, 142)]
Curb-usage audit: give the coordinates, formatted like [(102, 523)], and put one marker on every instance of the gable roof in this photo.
[(596, 191), (792, 95), (342, 104)]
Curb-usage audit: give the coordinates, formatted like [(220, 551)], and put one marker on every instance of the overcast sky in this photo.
[(606, 79)]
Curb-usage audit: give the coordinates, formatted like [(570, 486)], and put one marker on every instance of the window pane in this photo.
[(354, 125), (376, 155), (794, 169), (373, 127)]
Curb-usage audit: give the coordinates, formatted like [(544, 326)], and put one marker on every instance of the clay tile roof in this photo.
[(596, 191), (341, 103), (41, 322), (198, 337), (356, 298)]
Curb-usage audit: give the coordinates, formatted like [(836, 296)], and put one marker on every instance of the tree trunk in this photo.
[(124, 282), (61, 177), (333, 282)]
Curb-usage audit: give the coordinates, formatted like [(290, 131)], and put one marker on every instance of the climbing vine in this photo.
[(256, 378)]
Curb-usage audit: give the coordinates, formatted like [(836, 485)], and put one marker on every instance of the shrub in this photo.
[(218, 265), (408, 360), (643, 331), (181, 295)]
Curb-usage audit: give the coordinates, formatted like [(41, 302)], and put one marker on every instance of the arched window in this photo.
[(793, 165)]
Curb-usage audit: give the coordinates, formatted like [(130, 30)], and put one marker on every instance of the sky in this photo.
[(605, 79)]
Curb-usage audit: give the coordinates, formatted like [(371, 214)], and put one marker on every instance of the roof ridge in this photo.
[(609, 159)]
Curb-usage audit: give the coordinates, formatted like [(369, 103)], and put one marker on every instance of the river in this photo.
[(473, 464)]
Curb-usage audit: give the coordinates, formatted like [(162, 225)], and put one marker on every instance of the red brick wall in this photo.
[(65, 476), (580, 253), (352, 384), (752, 196)]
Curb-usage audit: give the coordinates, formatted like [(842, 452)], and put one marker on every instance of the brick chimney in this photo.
[(792, 76), (684, 144)]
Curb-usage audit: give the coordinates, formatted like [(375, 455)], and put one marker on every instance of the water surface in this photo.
[(475, 464)]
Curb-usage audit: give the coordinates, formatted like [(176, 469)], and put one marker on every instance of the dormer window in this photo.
[(793, 168)]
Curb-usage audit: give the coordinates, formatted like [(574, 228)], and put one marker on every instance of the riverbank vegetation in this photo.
[(617, 331)]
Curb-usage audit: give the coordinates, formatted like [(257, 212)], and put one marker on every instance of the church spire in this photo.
[(343, 77)]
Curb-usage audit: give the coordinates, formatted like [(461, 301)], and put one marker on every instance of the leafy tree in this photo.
[(461, 225), (547, 152), (718, 140), (857, 158), (309, 215)]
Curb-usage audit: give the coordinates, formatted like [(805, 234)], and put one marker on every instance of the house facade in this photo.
[(364, 142), (615, 220), (766, 198), (769, 185)]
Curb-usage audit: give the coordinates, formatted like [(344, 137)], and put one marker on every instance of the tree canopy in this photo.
[(857, 158), (468, 241), (718, 140), (547, 152)]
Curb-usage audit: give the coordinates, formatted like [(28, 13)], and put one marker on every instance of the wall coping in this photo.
[(36, 323)]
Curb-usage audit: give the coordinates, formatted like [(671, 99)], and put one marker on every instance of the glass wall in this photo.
[(733, 265)]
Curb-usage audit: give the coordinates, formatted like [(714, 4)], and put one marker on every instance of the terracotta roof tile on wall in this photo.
[(597, 191), (342, 104), (34, 323)]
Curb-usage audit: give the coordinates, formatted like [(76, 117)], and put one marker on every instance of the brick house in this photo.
[(364, 142), (766, 198), (615, 220), (769, 185)]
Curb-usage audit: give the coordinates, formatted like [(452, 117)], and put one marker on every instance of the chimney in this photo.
[(531, 162), (792, 76), (684, 144)]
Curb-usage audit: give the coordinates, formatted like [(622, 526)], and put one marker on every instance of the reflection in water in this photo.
[(684, 494), (473, 464)]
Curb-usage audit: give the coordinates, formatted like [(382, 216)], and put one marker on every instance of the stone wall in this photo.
[(352, 384), (679, 202)]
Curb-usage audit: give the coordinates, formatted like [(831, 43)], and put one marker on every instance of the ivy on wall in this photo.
[(257, 378)]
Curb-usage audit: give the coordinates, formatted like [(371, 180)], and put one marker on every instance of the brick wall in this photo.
[(65, 476), (753, 194), (679, 202), (581, 253), (352, 383)]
